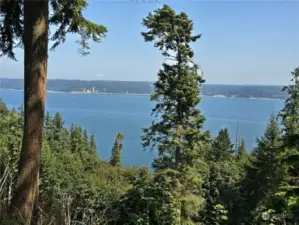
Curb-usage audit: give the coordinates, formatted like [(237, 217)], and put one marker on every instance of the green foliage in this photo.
[(290, 112), (176, 91), (219, 214), (151, 201), (176, 130), (66, 17), (264, 173), (242, 155), (222, 148), (115, 159), (73, 180), (270, 188), (10, 147), (196, 179), (220, 186), (55, 133), (266, 160), (290, 121), (92, 144), (3, 109)]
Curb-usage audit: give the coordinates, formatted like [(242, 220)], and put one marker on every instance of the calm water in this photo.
[(107, 114)]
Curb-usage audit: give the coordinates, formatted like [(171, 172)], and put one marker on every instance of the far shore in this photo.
[(136, 94)]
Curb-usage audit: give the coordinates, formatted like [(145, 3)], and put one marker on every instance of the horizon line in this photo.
[(139, 81)]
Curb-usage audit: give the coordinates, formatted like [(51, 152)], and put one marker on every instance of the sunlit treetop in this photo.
[(170, 31)]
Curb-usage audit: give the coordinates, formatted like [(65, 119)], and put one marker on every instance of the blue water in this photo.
[(105, 115)]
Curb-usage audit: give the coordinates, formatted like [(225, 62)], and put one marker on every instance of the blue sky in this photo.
[(243, 42)]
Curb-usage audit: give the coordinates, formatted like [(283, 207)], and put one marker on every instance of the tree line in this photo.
[(143, 87), (52, 175)]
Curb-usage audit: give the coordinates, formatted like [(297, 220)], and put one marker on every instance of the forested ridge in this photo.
[(52, 175), (139, 87)]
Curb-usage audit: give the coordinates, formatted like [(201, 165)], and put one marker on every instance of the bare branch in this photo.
[(4, 177)]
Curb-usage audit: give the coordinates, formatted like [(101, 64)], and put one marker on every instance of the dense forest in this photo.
[(138, 87), (52, 175)]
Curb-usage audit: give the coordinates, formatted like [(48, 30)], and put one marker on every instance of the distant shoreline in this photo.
[(136, 94)]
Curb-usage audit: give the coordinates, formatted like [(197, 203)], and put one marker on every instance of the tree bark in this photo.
[(35, 74)]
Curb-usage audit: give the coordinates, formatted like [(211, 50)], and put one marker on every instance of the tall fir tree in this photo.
[(290, 159), (222, 147), (176, 131), (26, 23), (290, 121), (264, 174), (55, 132), (85, 140), (58, 121), (242, 155), (290, 113), (76, 139), (92, 144), (115, 159), (222, 177), (48, 120)]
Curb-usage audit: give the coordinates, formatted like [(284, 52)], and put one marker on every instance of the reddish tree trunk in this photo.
[(35, 74)]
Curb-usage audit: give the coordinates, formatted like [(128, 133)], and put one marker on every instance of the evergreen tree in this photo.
[(222, 178), (213, 185), (150, 201), (290, 122), (55, 132), (48, 127), (176, 130), (26, 23), (242, 155), (3, 109), (222, 148), (85, 140), (264, 173), (76, 139), (57, 121), (85, 136), (242, 149), (48, 120), (290, 113), (92, 144), (70, 182), (115, 159), (290, 158)]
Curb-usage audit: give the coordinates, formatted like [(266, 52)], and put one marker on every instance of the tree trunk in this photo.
[(35, 74), (35, 214)]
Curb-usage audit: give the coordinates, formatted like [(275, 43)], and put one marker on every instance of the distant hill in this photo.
[(245, 91), (139, 87), (99, 86)]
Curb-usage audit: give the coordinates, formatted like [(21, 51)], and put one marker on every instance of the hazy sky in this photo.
[(243, 42)]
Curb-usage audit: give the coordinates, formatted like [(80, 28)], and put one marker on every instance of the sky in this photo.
[(243, 42)]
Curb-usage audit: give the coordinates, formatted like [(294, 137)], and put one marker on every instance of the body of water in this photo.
[(105, 115)]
